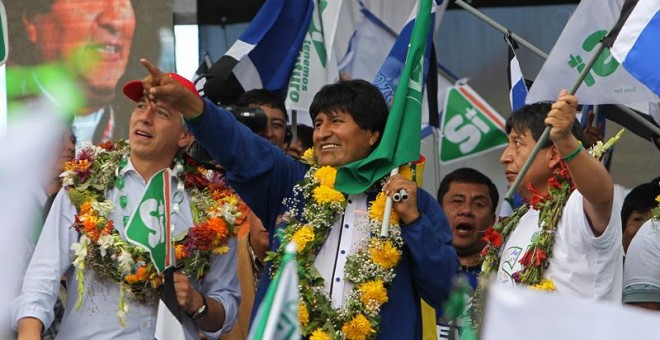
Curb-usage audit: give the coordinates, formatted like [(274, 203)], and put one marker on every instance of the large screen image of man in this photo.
[(96, 42)]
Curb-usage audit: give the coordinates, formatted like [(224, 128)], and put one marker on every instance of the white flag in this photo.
[(277, 317), (608, 82), (316, 64)]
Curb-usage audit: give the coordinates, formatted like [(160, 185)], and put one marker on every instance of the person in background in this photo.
[(469, 199), (637, 209), (302, 142)]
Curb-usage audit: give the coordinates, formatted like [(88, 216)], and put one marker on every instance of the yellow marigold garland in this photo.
[(371, 268)]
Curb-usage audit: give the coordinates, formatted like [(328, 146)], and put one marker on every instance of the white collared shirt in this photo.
[(344, 239)]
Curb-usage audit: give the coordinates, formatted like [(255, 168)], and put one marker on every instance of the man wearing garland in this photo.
[(344, 265), (113, 285), (567, 237)]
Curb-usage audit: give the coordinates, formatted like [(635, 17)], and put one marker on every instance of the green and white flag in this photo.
[(3, 34), (316, 64), (607, 82), (277, 317), (469, 125), (149, 226)]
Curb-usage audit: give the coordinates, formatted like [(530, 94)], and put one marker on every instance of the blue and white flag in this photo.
[(517, 87), (265, 53), (636, 46)]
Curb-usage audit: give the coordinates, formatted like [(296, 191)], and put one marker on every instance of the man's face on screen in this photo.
[(93, 36)]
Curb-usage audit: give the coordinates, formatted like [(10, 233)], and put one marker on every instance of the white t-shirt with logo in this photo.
[(582, 264)]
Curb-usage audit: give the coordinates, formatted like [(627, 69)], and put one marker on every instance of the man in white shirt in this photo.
[(157, 134), (586, 259)]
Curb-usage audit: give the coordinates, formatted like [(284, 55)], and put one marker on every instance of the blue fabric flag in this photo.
[(265, 53)]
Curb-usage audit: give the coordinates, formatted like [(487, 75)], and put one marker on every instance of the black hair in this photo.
[(532, 117), (263, 97), (641, 198), (304, 134), (357, 97), (468, 175)]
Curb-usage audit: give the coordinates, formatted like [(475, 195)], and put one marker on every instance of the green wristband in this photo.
[(573, 154)]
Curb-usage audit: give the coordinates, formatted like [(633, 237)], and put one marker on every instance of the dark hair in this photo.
[(468, 175), (22, 51), (641, 198), (263, 97), (532, 117), (305, 134), (357, 97)]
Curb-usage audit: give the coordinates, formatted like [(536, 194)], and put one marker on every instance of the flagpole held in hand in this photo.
[(546, 132), (385, 227)]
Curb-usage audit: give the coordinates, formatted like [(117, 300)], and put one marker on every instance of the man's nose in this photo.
[(115, 14)]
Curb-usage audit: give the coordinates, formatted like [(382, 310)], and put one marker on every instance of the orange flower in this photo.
[(140, 275), (179, 251)]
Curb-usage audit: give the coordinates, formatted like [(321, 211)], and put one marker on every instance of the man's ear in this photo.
[(30, 28), (185, 139), (374, 138), (554, 157)]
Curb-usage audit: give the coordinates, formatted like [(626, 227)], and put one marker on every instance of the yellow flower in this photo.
[(383, 253), (546, 285), (326, 176), (377, 210), (232, 200), (308, 155), (302, 236), (303, 314), (657, 199), (406, 172), (324, 194), (357, 329), (319, 334), (373, 291)]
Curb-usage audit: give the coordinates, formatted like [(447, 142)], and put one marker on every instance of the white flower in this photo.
[(125, 261), (227, 212), (104, 208), (105, 242), (80, 252), (67, 178)]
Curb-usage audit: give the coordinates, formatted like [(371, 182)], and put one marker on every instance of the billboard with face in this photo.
[(99, 44)]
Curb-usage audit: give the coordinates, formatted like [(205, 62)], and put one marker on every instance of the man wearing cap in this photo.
[(99, 307)]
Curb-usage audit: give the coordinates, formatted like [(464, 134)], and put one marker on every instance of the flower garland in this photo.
[(371, 268), (537, 257), (95, 171)]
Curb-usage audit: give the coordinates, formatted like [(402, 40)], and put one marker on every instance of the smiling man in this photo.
[(93, 38), (349, 119)]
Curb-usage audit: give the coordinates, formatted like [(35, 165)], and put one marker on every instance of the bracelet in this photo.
[(573, 154)]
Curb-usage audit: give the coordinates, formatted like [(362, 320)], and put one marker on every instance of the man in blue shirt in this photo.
[(349, 119)]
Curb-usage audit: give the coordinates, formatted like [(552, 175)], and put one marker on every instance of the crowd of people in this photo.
[(256, 190)]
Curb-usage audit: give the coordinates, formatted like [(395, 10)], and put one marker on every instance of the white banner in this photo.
[(608, 82)]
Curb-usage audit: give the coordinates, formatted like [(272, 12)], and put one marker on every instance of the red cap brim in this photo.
[(134, 90)]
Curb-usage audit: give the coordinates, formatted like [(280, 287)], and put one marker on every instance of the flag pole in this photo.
[(501, 28), (385, 227), (546, 132)]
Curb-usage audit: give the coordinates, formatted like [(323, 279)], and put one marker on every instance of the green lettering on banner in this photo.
[(605, 64), (149, 224), (467, 130)]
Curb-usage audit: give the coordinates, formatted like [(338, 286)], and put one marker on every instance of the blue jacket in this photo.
[(263, 176)]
